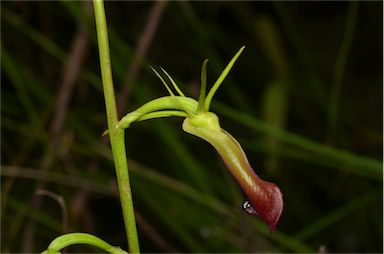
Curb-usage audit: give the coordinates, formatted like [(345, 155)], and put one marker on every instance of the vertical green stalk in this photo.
[(116, 134)]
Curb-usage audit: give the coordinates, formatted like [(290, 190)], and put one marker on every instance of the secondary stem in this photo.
[(116, 135), (81, 238)]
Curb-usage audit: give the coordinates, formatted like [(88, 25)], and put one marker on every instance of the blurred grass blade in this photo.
[(274, 113), (335, 216), (349, 162), (335, 94), (18, 83)]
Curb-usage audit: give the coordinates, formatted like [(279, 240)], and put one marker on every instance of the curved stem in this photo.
[(185, 104), (116, 134), (81, 238)]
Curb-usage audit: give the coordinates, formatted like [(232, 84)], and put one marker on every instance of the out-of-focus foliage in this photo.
[(304, 100)]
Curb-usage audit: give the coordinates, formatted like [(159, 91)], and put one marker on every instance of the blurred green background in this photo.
[(304, 100)]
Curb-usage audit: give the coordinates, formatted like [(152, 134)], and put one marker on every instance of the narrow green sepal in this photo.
[(173, 82), (221, 79), (203, 88), (162, 81)]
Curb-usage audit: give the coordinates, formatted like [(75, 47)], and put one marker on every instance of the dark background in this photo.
[(304, 100)]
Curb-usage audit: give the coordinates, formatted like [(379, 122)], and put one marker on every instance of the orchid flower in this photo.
[(264, 199)]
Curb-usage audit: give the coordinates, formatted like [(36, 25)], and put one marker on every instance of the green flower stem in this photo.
[(185, 104), (116, 134), (163, 113), (81, 238)]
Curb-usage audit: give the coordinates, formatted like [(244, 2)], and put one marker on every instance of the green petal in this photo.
[(162, 81), (173, 82), (221, 79), (203, 88)]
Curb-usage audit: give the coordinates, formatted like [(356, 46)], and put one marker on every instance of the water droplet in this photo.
[(248, 208)]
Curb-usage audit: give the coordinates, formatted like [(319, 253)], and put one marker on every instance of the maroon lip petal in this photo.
[(267, 200)]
